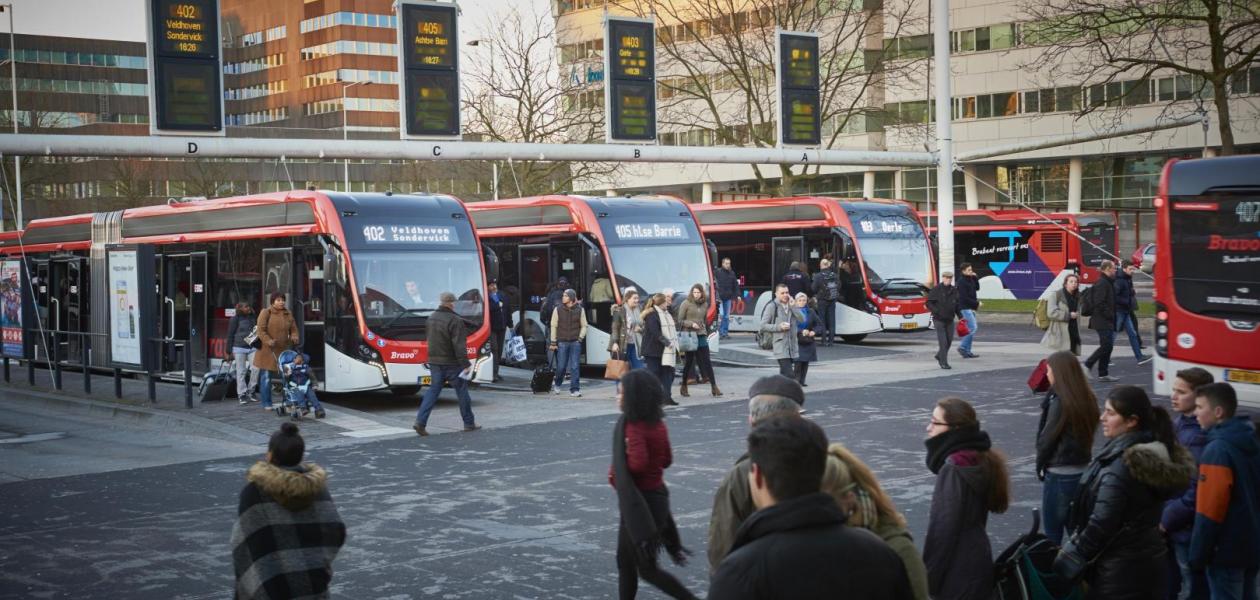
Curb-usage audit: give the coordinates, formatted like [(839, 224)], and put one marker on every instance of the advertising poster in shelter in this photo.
[(124, 312), (11, 296)]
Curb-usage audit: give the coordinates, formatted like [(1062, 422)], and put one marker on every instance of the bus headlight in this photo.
[(380, 367), (1162, 344)]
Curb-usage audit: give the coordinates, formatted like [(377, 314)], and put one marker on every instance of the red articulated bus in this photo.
[(1207, 272), (361, 273), (1017, 253), (885, 291), (602, 246)]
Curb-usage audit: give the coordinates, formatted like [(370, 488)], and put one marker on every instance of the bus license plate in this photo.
[(426, 380), (1240, 376), (909, 325)]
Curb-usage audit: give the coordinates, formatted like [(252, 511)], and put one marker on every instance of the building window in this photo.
[(254, 64), (82, 59), (348, 18), (258, 37), (260, 90), (349, 47), (1246, 81), (980, 39), (72, 86), (915, 46)]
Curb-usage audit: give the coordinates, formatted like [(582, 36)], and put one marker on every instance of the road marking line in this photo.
[(35, 437)]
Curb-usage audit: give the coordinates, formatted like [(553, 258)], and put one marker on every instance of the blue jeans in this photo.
[(1127, 322), (1057, 493), (724, 326), (567, 355), (264, 388), (1232, 584), (969, 316), (1194, 585), (443, 374), (632, 356)]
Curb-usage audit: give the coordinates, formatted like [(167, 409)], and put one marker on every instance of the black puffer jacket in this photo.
[(942, 301), (801, 549), (1124, 292), (1102, 316), (968, 292), (1115, 517), (1061, 451)]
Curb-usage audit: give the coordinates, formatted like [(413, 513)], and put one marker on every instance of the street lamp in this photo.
[(17, 160), (344, 127)]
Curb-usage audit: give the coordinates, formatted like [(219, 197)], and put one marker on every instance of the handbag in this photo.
[(765, 339), (688, 341), (1039, 380), (669, 357), (616, 367), (962, 330), (252, 340), (514, 348)]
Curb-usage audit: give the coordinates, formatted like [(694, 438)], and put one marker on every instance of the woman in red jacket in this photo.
[(641, 453)]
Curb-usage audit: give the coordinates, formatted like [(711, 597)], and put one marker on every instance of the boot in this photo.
[(716, 392), (682, 390)]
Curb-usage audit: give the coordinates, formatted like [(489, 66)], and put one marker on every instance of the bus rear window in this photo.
[(1215, 248), (1099, 243)]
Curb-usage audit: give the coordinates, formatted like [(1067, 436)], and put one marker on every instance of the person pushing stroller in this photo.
[(299, 388)]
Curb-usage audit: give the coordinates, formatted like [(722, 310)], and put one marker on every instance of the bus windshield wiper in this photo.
[(407, 311), (892, 280)]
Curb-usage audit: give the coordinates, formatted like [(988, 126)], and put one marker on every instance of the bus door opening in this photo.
[(786, 250), (183, 294), (534, 275), (62, 301), (308, 306), (600, 296)]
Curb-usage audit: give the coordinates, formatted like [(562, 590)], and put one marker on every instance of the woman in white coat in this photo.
[(1063, 309)]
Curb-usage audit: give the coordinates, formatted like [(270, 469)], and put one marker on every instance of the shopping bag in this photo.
[(1039, 380), (962, 328), (688, 341), (514, 348), (616, 367)]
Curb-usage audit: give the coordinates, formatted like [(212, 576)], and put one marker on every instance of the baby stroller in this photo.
[(298, 385), (1024, 571)]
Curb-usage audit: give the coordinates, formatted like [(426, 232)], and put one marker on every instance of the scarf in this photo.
[(635, 512), (956, 439)]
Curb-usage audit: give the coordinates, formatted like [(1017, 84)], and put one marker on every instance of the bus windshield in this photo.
[(895, 252), (651, 269), (398, 290), (1215, 248)]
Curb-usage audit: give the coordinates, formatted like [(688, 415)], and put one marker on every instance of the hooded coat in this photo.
[(1178, 518), (1227, 526), (287, 533), (1114, 520), (801, 549), (956, 549)]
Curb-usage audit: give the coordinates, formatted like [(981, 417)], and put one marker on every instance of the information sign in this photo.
[(800, 108), (187, 75), (630, 79), (130, 311), (429, 58), (11, 316)]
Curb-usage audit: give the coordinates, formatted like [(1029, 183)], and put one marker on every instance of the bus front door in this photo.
[(184, 308), (61, 302), (534, 272), (784, 252)]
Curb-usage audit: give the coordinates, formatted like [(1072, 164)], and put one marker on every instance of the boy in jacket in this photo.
[(1226, 538), (1178, 518)]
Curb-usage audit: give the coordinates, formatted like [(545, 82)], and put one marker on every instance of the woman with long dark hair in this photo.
[(1065, 439), (693, 317), (660, 343), (641, 452), (1114, 542), (971, 481)]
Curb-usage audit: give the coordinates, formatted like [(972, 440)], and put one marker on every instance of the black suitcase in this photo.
[(216, 384), (542, 379)]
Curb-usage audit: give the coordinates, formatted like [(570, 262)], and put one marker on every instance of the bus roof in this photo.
[(1196, 176), (1015, 218), (801, 211), (567, 213)]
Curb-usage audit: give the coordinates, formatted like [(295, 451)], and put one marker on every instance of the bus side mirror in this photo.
[(491, 260), (595, 260)]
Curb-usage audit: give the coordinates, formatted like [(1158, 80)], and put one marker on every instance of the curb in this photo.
[(164, 419)]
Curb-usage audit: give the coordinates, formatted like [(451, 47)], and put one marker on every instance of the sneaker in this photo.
[(253, 398), (420, 429), (319, 414), (243, 401), (472, 428), (1145, 359), (575, 394), (555, 391), (671, 402), (1108, 378)]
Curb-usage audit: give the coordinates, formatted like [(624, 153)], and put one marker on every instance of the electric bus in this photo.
[(1017, 253), (361, 274), (602, 246), (1207, 272), (890, 265)]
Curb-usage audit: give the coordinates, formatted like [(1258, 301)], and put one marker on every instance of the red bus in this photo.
[(602, 245), (1207, 272), (1017, 253), (361, 272), (883, 237)]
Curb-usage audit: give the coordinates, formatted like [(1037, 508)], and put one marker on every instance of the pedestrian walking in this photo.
[(641, 452), (808, 332), (971, 482), (568, 331), (242, 354), (796, 280), (781, 320), (827, 292), (627, 329), (1226, 538), (1114, 542), (660, 343), (500, 323), (797, 544), (1177, 521), (287, 529), (865, 504), (1065, 439), (770, 396), (1100, 307), (278, 332), (447, 339), (692, 316), (942, 302), (1126, 312), (728, 291), (553, 299), (968, 304), (1063, 311)]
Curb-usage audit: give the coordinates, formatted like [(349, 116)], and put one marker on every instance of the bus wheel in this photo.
[(853, 339), (404, 390)]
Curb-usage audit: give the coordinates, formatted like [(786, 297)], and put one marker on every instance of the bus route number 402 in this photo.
[(374, 233)]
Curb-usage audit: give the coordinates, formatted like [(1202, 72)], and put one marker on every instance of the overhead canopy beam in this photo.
[(1076, 138), (202, 147)]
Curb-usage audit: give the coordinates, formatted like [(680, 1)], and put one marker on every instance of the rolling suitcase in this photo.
[(216, 384), (543, 377)]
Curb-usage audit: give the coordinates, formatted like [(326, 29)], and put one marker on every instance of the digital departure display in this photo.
[(187, 75), (800, 118), (189, 95), (432, 103), (631, 51), (633, 114), (187, 28), (630, 77), (799, 61), (429, 36)]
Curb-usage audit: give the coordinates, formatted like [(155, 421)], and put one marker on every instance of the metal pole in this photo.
[(345, 128), (118, 383), (54, 358), (494, 183), (86, 359), (944, 138), (17, 160), (6, 369), (188, 394)]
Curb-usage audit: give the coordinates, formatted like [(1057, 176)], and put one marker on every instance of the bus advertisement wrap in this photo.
[(11, 319), (124, 319)]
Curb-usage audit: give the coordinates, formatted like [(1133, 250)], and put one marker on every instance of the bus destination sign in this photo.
[(430, 36), (800, 121), (186, 71), (631, 50), (187, 28), (799, 60), (410, 234), (630, 79)]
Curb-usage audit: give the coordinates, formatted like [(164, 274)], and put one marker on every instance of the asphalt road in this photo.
[(516, 512)]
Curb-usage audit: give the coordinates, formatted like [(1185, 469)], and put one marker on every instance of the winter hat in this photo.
[(778, 385)]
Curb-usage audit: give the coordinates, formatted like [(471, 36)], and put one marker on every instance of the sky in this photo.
[(124, 19)]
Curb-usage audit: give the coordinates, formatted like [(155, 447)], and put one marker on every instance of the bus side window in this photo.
[(844, 247)]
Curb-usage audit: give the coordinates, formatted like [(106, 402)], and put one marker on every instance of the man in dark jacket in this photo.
[(1102, 318), (942, 302), (827, 291), (1177, 521), (969, 302), (448, 363), (728, 291), (500, 322), (796, 280), (797, 544), (1126, 312), (1226, 538)]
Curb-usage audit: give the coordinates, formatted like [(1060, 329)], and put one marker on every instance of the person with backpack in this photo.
[(826, 286), (1099, 304), (779, 323), (795, 279), (242, 355), (1065, 439), (1126, 312), (1177, 521), (968, 303), (1062, 318)]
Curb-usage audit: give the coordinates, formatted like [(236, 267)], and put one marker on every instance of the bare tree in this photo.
[(717, 68), (516, 93), (1124, 43)]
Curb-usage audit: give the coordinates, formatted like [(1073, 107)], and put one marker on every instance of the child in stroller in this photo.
[(299, 388)]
